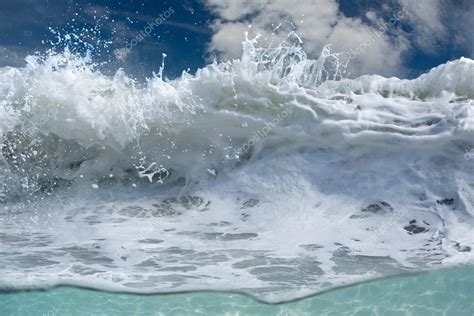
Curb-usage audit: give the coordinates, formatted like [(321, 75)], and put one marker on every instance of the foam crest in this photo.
[(269, 173), (81, 117)]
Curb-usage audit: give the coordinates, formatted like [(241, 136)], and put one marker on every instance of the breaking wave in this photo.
[(273, 150)]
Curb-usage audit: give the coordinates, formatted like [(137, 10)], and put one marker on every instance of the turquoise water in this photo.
[(445, 292)]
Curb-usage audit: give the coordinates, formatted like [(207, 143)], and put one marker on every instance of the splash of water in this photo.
[(327, 163)]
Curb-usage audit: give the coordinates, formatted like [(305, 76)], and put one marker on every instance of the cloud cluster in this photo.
[(442, 24), (320, 22)]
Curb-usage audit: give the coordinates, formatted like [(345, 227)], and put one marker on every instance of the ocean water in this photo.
[(270, 175), (445, 292)]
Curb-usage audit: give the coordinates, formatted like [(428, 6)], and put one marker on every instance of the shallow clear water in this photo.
[(444, 292)]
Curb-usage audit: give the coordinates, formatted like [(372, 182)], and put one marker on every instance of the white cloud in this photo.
[(441, 25), (425, 19), (318, 22), (459, 21), (379, 53), (233, 10), (226, 37)]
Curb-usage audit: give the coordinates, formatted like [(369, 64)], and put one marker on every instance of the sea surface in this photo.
[(445, 292), (273, 175)]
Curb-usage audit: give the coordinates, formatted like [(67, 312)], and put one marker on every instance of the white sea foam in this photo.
[(315, 182)]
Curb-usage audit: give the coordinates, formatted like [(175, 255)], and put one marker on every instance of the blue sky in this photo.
[(402, 37)]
